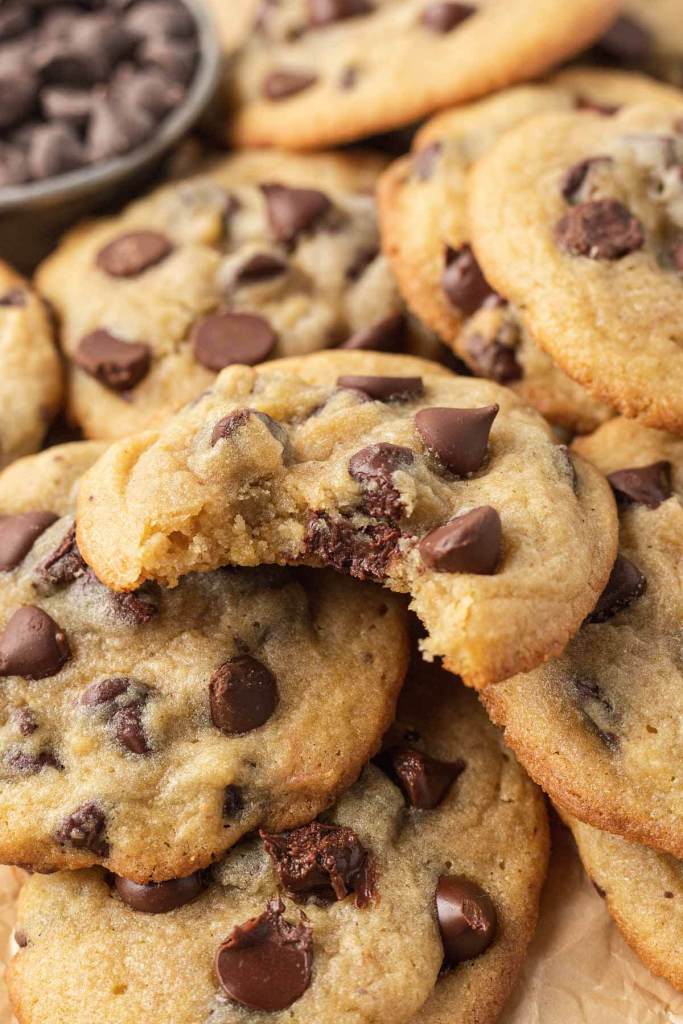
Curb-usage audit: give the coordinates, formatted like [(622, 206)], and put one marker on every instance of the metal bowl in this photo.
[(32, 216)]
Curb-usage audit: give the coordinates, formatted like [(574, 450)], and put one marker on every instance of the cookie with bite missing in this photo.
[(264, 255), (30, 371), (412, 900), (321, 72), (423, 213), (578, 219), (149, 731), (599, 727), (443, 487), (643, 890)]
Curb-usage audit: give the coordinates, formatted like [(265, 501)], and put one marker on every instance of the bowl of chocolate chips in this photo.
[(93, 96)]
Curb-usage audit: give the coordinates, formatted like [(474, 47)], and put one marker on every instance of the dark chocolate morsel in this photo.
[(117, 364), (423, 780), (291, 211), (471, 543), (280, 85), (643, 485), (18, 535), (365, 553), (243, 695), (64, 564), (457, 437), (600, 229), (625, 585), (626, 41), (492, 359), (32, 645), (463, 283), (373, 467), (384, 389), (444, 15), (227, 427), (233, 801), (20, 762), (323, 860), (159, 897), (127, 728), (132, 253), (85, 829), (387, 335), (467, 918), (266, 963), (222, 339), (326, 12), (262, 266)]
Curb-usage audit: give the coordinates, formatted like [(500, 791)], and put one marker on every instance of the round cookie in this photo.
[(377, 466), (265, 255), (374, 952), (315, 73), (577, 218), (643, 890), (599, 728), (30, 372), (149, 731), (648, 35), (423, 213)]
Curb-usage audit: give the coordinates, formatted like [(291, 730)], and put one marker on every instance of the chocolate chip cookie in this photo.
[(412, 900), (599, 727), (149, 731), (643, 890), (578, 220), (317, 73), (648, 34), (30, 374), (443, 487), (266, 255), (423, 213)]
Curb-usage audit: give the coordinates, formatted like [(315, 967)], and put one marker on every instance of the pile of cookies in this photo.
[(375, 507)]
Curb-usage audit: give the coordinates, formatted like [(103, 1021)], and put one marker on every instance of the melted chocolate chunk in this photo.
[(20, 762), (327, 861), (373, 468), (600, 229), (365, 553), (384, 389), (463, 282), (230, 424), (19, 533), (223, 339), (643, 485), (467, 918), (625, 585), (118, 365), (233, 802), (459, 438), (597, 710), (32, 645), (135, 608), (492, 359), (423, 780), (243, 695), (85, 829), (65, 564), (266, 963), (127, 728), (160, 897), (471, 543)]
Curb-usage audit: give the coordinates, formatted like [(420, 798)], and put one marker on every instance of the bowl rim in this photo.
[(173, 127)]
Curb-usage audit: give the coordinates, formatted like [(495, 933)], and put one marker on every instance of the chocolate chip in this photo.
[(467, 918), (387, 335), (19, 762), (105, 691), (280, 85), (322, 860), (222, 339), (360, 263), (243, 695), (325, 12), (576, 176), (134, 608), (445, 15), (463, 283), (423, 780), (471, 543), (53, 149), (73, 106), (159, 897), (262, 266), (606, 109), (601, 229), (132, 253), (625, 585), (65, 564), (85, 830), (19, 533), (266, 963), (127, 728), (21, 938), (627, 40), (13, 166), (18, 96), (596, 709), (32, 645), (233, 802), (459, 438), (644, 485), (228, 426), (364, 553), (25, 721), (384, 389), (348, 77), (291, 211), (492, 359), (373, 467), (425, 160), (118, 365)]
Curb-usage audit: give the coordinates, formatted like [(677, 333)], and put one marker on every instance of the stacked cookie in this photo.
[(358, 436)]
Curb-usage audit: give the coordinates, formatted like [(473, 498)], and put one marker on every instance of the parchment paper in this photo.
[(580, 971)]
